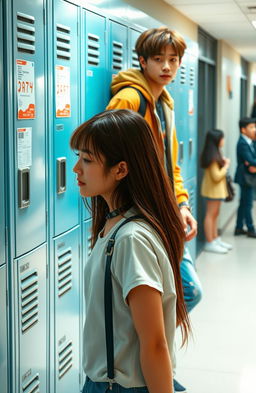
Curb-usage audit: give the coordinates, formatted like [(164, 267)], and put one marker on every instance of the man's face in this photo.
[(161, 69), (250, 131)]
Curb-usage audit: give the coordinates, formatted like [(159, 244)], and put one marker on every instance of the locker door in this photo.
[(2, 129), (66, 79), (118, 45), (192, 114), (181, 114), (133, 61), (86, 242), (30, 299), (29, 124), (96, 87), (3, 335), (191, 186), (67, 307)]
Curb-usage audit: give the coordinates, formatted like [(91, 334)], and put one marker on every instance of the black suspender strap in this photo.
[(108, 300)]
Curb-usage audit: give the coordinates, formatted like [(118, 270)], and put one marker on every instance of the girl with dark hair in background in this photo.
[(214, 188), (120, 169)]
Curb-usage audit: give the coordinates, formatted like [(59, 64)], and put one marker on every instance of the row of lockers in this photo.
[(58, 60)]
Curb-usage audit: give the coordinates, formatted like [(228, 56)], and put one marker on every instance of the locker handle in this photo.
[(181, 152), (23, 188), (190, 147), (61, 175)]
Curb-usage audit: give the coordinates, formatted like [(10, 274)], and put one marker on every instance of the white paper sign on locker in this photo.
[(24, 147), (25, 74), (62, 91)]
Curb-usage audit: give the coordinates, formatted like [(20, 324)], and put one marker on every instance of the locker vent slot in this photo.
[(25, 33), (93, 50), (65, 359), (135, 61), (64, 272), (29, 300), (183, 74), (63, 47), (192, 76), (117, 53), (32, 386)]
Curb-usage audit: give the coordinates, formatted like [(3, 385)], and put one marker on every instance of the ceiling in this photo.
[(228, 20)]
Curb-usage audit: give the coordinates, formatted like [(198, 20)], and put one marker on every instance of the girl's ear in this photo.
[(121, 170)]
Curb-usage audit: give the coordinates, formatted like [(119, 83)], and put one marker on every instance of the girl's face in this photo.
[(92, 177), (222, 141)]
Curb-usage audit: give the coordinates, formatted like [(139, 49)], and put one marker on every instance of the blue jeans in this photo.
[(244, 212), (191, 285), (102, 387)]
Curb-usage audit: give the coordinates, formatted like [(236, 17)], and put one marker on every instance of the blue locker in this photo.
[(94, 53), (86, 245), (28, 133), (67, 307), (3, 330), (192, 116), (191, 186), (118, 49), (30, 321), (94, 88), (133, 61), (2, 162), (66, 107)]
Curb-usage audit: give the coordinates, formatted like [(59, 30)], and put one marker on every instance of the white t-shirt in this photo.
[(139, 258)]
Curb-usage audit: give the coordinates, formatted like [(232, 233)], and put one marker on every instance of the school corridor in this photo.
[(222, 355)]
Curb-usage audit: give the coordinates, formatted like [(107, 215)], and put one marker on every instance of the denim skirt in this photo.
[(102, 387)]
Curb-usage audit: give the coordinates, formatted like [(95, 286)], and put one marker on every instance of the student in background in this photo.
[(214, 189), (120, 169), (246, 163)]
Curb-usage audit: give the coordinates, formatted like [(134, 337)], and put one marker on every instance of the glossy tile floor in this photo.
[(221, 358)]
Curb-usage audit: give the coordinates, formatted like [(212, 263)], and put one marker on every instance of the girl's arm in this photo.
[(217, 173), (147, 314)]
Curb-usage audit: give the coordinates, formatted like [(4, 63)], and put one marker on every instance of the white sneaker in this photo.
[(223, 244), (215, 247)]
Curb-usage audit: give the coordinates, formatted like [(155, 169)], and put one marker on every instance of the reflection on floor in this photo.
[(222, 356)]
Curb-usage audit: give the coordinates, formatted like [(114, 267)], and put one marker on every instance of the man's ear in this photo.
[(143, 62), (121, 170)]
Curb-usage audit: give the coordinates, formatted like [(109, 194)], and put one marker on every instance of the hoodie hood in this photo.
[(135, 78)]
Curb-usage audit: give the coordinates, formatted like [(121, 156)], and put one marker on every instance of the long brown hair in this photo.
[(123, 135)]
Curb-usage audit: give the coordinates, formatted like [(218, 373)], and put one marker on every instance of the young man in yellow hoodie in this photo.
[(160, 52)]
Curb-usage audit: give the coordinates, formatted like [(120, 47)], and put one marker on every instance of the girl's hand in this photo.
[(227, 162)]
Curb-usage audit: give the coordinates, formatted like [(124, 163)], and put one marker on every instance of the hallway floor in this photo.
[(221, 358)]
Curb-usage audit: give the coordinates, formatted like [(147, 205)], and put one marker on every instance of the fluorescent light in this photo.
[(254, 23)]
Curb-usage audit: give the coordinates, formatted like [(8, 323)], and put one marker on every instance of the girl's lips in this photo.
[(80, 183)]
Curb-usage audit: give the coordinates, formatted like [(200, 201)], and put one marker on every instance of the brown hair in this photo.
[(152, 41), (123, 135)]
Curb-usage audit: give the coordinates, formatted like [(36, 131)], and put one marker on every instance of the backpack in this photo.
[(143, 101)]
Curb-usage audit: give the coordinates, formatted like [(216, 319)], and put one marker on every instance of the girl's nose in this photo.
[(76, 168)]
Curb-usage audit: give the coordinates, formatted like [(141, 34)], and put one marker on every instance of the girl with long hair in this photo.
[(120, 170), (214, 189)]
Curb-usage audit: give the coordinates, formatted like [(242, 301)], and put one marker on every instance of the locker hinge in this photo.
[(79, 251), (47, 271), (44, 16), (7, 298), (6, 237), (46, 218)]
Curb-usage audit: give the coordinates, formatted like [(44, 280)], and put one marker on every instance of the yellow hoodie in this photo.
[(129, 99)]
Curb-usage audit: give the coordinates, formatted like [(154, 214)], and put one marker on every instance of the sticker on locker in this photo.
[(62, 91), (25, 74), (24, 147)]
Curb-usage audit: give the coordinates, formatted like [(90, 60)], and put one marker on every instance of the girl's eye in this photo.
[(86, 160)]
